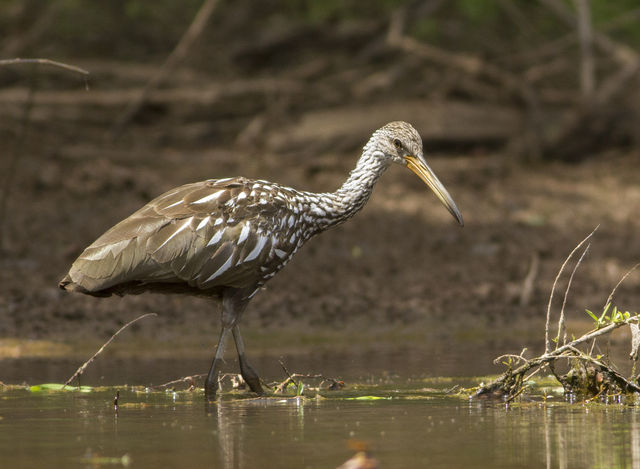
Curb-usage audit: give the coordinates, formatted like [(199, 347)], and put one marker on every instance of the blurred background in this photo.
[(529, 110)]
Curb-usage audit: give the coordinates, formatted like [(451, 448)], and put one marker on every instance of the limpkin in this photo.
[(224, 238)]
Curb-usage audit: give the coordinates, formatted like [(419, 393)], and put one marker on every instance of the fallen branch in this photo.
[(81, 370), (291, 378), (334, 383), (510, 382), (594, 381)]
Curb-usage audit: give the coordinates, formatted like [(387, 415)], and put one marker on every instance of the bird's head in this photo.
[(400, 143)]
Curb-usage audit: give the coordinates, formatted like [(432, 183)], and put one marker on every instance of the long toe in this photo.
[(250, 377)]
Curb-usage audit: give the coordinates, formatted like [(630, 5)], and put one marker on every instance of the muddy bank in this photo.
[(401, 263)]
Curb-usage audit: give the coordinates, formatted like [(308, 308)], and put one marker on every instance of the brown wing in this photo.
[(219, 232)]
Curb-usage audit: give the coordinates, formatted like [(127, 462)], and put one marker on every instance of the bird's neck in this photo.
[(342, 204)]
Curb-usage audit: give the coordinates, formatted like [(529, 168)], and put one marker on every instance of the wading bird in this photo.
[(224, 238)]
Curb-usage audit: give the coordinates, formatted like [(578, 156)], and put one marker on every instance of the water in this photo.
[(411, 423), (167, 430)]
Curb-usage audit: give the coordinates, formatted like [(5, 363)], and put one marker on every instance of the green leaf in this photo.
[(604, 313), (595, 318), (366, 398), (58, 387)]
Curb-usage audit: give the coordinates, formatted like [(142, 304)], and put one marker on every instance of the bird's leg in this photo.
[(248, 373), (211, 384)]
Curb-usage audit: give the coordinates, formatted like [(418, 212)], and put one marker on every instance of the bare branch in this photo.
[(547, 344), (84, 366), (561, 327), (624, 277), (53, 63), (290, 378), (190, 380)]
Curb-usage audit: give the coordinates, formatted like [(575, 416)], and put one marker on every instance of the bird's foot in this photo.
[(250, 377), (254, 384), (210, 390)]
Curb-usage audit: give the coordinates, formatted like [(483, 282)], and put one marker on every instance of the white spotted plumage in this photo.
[(225, 238), (226, 233)]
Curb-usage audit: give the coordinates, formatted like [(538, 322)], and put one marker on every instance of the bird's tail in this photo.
[(68, 284)]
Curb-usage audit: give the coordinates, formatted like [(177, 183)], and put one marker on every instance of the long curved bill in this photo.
[(424, 172)]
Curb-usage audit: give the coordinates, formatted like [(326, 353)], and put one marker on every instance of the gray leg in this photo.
[(211, 384), (248, 373)]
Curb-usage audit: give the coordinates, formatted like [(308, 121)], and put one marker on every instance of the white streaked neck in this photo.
[(354, 193)]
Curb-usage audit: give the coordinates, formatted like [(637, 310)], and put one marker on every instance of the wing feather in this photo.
[(206, 234)]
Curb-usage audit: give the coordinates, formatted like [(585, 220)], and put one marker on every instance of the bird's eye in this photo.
[(397, 143)]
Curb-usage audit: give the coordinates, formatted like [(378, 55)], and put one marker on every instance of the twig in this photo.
[(520, 358), (192, 33), (624, 277), (610, 297), (53, 63), (561, 327), (547, 344), (81, 370), (289, 379), (185, 379)]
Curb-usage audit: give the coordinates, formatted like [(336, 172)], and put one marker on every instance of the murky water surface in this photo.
[(82, 430), (405, 417)]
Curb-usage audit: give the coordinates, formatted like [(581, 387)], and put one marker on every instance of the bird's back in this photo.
[(196, 238)]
